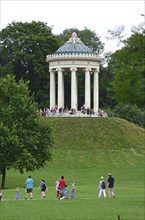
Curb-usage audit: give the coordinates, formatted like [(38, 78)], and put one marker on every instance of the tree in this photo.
[(25, 137), (105, 95), (117, 34), (130, 112), (24, 47), (127, 66)]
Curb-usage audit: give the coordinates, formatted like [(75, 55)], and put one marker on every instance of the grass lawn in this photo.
[(129, 201), (83, 156)]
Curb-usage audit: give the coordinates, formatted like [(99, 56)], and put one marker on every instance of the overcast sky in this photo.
[(97, 15)]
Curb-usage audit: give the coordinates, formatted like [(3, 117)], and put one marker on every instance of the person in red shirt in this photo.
[(62, 183)]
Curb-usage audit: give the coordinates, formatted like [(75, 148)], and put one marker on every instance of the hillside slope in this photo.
[(97, 133), (85, 148), (89, 141)]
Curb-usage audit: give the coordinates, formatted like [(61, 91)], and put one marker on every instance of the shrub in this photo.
[(129, 112)]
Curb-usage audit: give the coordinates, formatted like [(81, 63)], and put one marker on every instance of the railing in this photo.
[(71, 55)]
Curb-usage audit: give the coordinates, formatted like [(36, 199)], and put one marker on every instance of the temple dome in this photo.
[(74, 45)]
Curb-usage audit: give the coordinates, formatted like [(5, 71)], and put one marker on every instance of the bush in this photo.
[(129, 112)]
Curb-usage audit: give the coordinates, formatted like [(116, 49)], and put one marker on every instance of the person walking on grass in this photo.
[(43, 189), (72, 190), (102, 187), (62, 184), (110, 186), (66, 192), (17, 193), (29, 187), (57, 188)]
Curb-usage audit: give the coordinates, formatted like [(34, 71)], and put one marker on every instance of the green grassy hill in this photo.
[(85, 149), (89, 146)]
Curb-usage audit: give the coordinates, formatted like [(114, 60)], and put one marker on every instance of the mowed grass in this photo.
[(85, 149)]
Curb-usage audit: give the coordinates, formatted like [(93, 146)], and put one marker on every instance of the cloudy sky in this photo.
[(97, 15)]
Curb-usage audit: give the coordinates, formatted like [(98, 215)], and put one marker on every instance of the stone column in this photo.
[(87, 88), (74, 89), (52, 88), (96, 91), (60, 88)]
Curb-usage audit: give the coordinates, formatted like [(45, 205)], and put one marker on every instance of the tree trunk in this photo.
[(3, 177)]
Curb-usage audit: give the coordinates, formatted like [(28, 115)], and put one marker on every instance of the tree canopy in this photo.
[(24, 136), (24, 47), (127, 67)]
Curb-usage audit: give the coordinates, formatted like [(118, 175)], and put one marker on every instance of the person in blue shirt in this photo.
[(66, 192), (29, 187)]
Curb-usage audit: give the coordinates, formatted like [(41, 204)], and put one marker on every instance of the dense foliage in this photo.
[(24, 47), (128, 69), (25, 138), (129, 112)]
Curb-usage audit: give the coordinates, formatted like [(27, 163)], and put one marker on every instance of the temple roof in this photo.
[(74, 45)]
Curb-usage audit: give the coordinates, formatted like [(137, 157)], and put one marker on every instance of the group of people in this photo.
[(101, 113), (29, 189), (62, 189), (87, 110), (46, 112), (102, 186)]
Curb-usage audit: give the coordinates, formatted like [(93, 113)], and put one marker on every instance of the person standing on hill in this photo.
[(29, 187), (102, 187), (110, 186)]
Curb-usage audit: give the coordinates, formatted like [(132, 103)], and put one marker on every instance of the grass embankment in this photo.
[(85, 149)]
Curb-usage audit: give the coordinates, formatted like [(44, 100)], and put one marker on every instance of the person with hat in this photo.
[(102, 187), (110, 185)]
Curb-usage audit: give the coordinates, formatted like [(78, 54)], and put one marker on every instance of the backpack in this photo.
[(103, 185), (43, 186)]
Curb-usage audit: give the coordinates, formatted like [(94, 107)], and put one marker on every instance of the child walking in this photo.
[(43, 189), (66, 192), (72, 190), (17, 193)]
